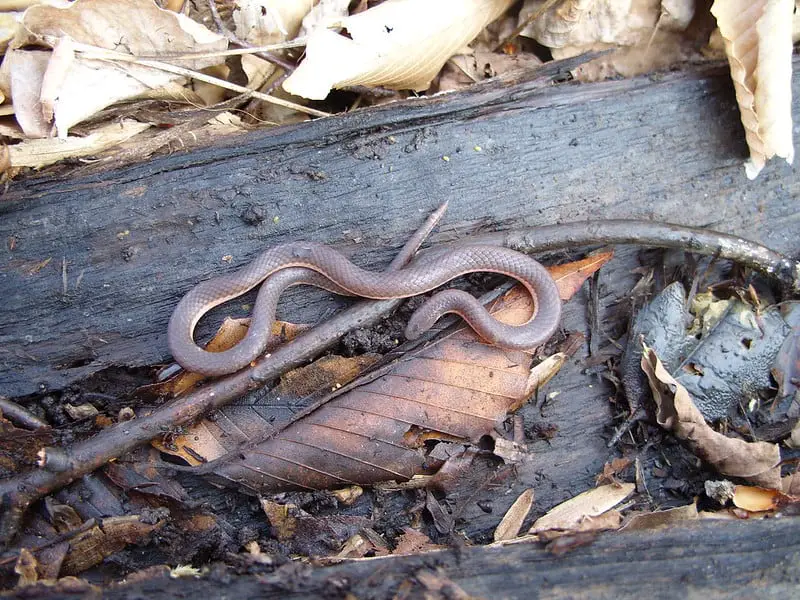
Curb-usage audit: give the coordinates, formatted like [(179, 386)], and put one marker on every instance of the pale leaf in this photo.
[(40, 153), (63, 88), (758, 43), (400, 44), (568, 515), (509, 526), (266, 22)]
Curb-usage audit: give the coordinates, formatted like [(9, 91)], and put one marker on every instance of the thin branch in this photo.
[(102, 54), (528, 20), (269, 57)]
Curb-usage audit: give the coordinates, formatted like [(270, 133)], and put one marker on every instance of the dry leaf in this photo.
[(758, 499), (647, 34), (73, 88), (592, 503), (25, 567), (323, 13), (511, 523), (758, 43), (266, 22), (663, 518), (111, 535), (755, 461), (412, 541), (40, 153), (281, 518), (399, 44)]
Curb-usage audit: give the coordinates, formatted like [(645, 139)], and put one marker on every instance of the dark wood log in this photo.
[(720, 559), (98, 262)]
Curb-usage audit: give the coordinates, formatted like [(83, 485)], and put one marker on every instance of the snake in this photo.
[(317, 264)]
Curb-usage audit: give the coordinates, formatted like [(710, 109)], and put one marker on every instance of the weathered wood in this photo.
[(135, 239), (719, 559)]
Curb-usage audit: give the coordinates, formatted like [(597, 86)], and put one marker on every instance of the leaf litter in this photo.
[(290, 52)]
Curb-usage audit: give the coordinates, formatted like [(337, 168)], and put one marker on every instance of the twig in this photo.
[(782, 268), (528, 20), (18, 493), (268, 56), (20, 415), (103, 54)]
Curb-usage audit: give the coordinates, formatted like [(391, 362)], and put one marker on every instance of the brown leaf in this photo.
[(280, 518), (758, 499), (755, 461), (570, 277), (90, 547), (412, 541), (25, 567), (663, 518)]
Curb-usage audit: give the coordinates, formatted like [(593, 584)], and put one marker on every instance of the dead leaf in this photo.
[(412, 541), (57, 82), (267, 22), (758, 43), (280, 518), (592, 503), (511, 523), (758, 499), (612, 469), (40, 153), (111, 535), (25, 567), (755, 461), (663, 518), (399, 44)]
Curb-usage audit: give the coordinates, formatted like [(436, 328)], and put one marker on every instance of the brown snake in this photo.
[(327, 268)]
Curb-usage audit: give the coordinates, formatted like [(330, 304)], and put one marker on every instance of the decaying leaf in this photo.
[(412, 541), (111, 535), (511, 523), (758, 43), (399, 44), (755, 461), (25, 567), (265, 22), (60, 88), (648, 34), (40, 153), (569, 515)]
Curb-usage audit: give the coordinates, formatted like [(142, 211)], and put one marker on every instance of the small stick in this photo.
[(650, 233), (20, 415)]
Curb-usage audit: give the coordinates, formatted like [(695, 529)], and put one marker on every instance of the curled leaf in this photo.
[(399, 44), (758, 43), (60, 88), (755, 461)]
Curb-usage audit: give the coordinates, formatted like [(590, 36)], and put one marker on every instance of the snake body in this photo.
[(324, 267)]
